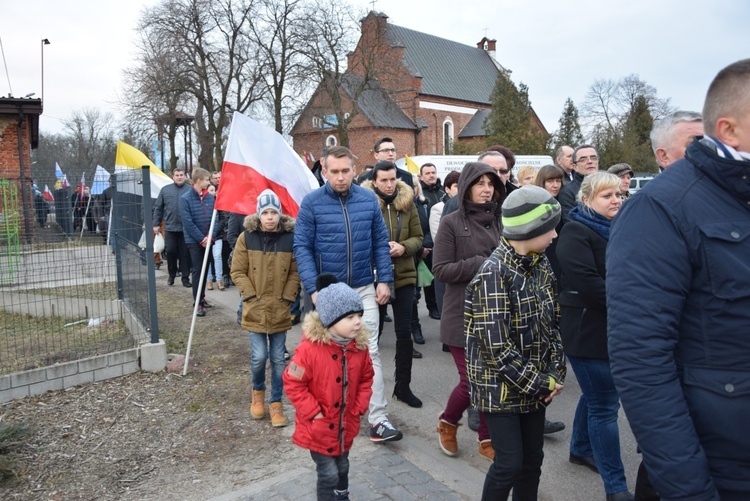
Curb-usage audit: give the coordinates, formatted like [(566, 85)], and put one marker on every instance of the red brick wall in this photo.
[(10, 165)]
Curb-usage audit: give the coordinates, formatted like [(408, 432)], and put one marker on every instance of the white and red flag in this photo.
[(258, 158), (48, 194), (81, 186)]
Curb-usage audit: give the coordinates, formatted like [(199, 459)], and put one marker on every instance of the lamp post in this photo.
[(45, 41)]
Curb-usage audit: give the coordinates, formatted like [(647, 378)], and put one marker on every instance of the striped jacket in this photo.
[(513, 349)]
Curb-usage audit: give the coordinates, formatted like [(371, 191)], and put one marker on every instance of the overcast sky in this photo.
[(558, 48)]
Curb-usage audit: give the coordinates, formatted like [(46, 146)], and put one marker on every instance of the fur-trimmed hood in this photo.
[(252, 223), (402, 201), (313, 330)]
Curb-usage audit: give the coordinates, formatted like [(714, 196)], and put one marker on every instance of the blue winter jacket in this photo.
[(678, 303), (344, 236), (196, 216)]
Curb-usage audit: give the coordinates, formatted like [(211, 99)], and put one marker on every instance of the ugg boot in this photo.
[(486, 450), (402, 392), (210, 286), (278, 419), (258, 407), (447, 435)]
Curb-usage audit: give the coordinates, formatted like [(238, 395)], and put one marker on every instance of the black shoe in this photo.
[(206, 304), (385, 432), (403, 394), (295, 319), (473, 419), (587, 461), (157, 265), (201, 312), (435, 314), (227, 282), (446, 348), (387, 318), (186, 283), (620, 496), (416, 333), (170, 281), (553, 426), (415, 353)]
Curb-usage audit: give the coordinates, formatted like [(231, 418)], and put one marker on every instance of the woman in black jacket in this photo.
[(581, 247)]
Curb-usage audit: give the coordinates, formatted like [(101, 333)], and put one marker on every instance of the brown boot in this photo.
[(447, 437), (210, 286), (278, 419), (486, 450), (258, 407)]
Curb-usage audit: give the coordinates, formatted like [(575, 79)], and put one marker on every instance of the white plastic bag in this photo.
[(142, 241), (158, 243)]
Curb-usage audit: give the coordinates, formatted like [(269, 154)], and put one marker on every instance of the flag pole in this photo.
[(197, 301)]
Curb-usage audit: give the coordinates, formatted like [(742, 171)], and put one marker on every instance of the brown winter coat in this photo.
[(465, 239), (265, 272), (411, 235)]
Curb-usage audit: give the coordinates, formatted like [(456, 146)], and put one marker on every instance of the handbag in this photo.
[(424, 275)]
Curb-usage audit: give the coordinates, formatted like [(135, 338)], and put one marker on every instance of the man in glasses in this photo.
[(586, 161), (385, 150)]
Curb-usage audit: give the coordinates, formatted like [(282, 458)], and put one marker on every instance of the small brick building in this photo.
[(19, 133), (425, 92)]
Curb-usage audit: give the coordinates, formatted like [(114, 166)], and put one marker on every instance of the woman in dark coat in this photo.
[(466, 238), (581, 249)]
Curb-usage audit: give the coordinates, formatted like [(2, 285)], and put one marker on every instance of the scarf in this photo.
[(388, 199), (726, 151), (592, 219)]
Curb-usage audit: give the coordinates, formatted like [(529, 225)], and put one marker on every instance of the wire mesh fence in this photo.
[(69, 287)]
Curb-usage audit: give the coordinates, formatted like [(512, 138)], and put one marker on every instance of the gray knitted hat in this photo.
[(335, 300), (529, 212), (268, 200)]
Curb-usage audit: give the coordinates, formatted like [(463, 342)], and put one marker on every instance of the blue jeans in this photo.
[(333, 476), (595, 430), (216, 254), (259, 345)]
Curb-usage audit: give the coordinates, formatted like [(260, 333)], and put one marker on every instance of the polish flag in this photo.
[(81, 187), (258, 158), (48, 194)]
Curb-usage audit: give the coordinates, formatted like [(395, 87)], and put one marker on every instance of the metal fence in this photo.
[(66, 293)]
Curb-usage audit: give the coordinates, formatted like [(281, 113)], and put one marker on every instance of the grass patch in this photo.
[(28, 342), (103, 291)]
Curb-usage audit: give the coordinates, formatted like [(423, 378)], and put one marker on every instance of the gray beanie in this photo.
[(529, 212), (620, 170), (335, 300), (268, 200)]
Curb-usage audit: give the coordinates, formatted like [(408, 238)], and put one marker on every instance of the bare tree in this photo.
[(208, 48), (278, 31), (331, 31)]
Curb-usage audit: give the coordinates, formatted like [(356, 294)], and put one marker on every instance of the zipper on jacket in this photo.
[(348, 242), (342, 410)]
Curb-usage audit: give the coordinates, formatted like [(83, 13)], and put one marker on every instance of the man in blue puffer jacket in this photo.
[(340, 230), (196, 209), (678, 302)]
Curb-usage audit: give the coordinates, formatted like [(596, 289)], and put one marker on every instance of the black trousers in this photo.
[(196, 257), (402, 305), (518, 440), (176, 248)]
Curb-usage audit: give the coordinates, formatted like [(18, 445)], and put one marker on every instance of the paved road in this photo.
[(415, 468)]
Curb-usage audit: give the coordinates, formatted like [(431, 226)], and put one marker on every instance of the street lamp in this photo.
[(45, 41)]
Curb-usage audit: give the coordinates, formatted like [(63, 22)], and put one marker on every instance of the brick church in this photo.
[(425, 92)]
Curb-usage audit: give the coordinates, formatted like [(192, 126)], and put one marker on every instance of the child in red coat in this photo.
[(332, 357)]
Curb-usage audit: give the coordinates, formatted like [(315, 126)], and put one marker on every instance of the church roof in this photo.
[(475, 126), (376, 105), (448, 69)]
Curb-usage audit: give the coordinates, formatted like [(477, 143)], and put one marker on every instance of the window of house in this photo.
[(331, 141), (447, 136)]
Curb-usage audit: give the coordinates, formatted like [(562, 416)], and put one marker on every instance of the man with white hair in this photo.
[(672, 134)]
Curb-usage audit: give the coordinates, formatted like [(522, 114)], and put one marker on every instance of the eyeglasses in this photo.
[(387, 150), (584, 160)]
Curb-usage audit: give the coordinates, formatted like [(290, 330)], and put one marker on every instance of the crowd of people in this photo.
[(645, 296)]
